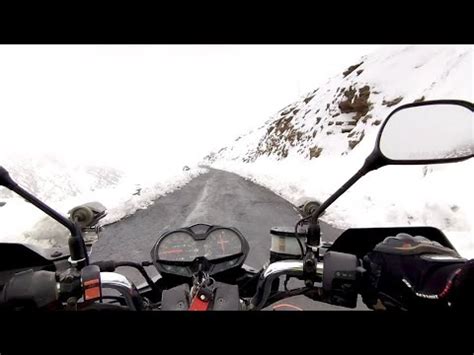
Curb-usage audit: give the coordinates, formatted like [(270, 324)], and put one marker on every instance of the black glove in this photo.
[(461, 296), (406, 272)]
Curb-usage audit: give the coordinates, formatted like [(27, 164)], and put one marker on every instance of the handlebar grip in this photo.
[(30, 288)]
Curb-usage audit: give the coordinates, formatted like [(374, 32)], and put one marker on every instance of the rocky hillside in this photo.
[(343, 115)]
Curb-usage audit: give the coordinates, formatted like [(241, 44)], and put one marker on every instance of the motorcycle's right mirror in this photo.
[(427, 133)]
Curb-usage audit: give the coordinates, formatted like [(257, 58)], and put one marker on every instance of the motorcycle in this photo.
[(202, 267)]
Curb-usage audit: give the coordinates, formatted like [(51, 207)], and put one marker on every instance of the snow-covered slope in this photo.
[(312, 146), (345, 112), (64, 183)]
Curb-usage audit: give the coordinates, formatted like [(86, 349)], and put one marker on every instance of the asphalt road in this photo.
[(217, 197)]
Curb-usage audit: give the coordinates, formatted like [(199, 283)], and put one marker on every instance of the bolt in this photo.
[(220, 300), (202, 297)]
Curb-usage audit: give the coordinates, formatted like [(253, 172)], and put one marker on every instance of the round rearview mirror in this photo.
[(432, 131)]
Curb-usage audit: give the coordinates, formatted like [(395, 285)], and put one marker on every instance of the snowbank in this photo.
[(64, 186), (437, 195)]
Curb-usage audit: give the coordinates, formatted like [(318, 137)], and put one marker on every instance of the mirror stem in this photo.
[(338, 193), (77, 246), (313, 239), (372, 162)]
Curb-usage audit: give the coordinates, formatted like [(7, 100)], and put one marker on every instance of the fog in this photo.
[(135, 104)]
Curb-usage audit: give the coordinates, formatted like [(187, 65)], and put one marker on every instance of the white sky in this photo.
[(158, 102)]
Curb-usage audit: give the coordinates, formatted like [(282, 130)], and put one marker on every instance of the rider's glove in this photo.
[(405, 272)]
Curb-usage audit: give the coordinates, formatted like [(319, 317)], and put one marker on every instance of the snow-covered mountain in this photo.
[(312, 146), (345, 112)]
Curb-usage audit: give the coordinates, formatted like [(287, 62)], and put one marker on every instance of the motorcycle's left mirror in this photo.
[(429, 132), (87, 217)]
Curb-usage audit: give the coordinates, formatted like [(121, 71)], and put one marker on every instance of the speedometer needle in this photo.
[(222, 242)]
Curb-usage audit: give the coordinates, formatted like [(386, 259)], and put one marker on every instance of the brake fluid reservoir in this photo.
[(285, 244)]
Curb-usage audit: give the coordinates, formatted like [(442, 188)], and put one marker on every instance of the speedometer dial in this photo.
[(202, 247), (222, 242), (178, 246)]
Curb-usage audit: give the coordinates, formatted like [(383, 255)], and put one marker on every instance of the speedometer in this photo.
[(221, 243), (178, 246), (199, 248)]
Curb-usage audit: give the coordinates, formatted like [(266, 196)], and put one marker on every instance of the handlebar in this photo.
[(111, 265), (274, 271), (131, 296), (126, 288), (133, 300), (292, 268)]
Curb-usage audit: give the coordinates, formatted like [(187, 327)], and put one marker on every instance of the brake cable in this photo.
[(297, 234)]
